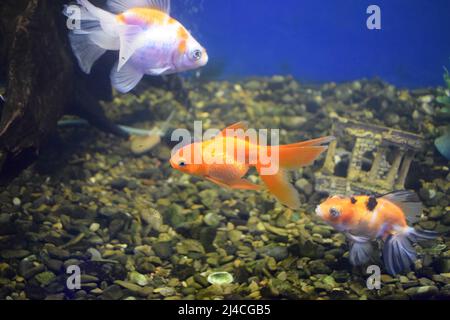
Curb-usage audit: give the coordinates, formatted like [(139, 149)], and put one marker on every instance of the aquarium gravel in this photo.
[(139, 230)]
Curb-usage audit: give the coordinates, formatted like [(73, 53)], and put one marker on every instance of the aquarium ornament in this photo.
[(383, 175)]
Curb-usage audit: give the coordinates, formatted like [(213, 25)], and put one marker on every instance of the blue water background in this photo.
[(323, 40)]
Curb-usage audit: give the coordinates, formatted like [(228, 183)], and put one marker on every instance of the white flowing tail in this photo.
[(398, 251), (93, 32)]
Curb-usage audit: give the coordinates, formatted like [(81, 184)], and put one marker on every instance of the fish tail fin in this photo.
[(297, 155), (421, 235), (292, 156), (398, 251), (92, 32)]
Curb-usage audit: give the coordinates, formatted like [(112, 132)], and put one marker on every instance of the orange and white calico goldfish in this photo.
[(368, 218), (149, 40), (230, 171)]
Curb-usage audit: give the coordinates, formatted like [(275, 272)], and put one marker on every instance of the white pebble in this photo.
[(17, 202), (94, 227)]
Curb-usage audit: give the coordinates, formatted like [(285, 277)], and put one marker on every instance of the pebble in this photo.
[(212, 219), (55, 297), (108, 211), (113, 292), (45, 278), (151, 233), (392, 119), (94, 227), (279, 253), (423, 292), (182, 271), (305, 186), (189, 245), (58, 253), (220, 278), (17, 202), (119, 184), (14, 254), (34, 292), (164, 250), (73, 211), (54, 265), (165, 291), (153, 218), (235, 235), (5, 218), (28, 269), (138, 278)]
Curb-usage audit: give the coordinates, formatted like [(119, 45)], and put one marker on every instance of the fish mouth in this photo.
[(205, 58)]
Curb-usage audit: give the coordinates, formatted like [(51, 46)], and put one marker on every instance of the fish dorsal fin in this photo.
[(239, 125), (408, 201), (120, 6)]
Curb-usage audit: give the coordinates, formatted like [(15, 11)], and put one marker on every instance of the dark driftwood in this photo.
[(38, 73), (43, 82)]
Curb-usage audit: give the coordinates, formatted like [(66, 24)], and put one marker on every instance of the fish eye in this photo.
[(334, 213), (182, 164), (197, 55)]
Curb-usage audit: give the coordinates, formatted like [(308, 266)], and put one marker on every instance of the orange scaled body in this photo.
[(368, 218), (226, 159)]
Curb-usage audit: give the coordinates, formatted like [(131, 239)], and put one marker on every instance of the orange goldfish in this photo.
[(219, 162), (149, 40), (368, 218)]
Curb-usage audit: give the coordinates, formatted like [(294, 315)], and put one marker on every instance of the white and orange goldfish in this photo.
[(368, 218), (221, 164), (149, 40)]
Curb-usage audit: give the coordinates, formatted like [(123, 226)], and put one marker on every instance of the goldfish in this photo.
[(230, 169), (149, 40), (365, 219)]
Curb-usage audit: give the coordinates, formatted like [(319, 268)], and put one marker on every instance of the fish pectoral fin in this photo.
[(125, 79), (157, 71), (218, 182), (128, 43), (361, 250), (241, 184), (119, 6), (244, 184)]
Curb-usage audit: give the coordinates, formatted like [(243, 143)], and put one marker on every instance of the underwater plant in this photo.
[(442, 143)]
